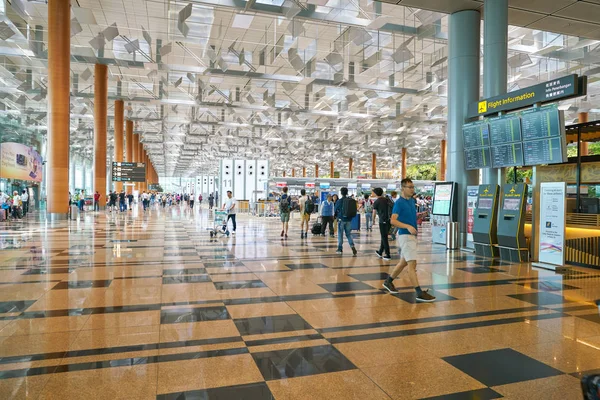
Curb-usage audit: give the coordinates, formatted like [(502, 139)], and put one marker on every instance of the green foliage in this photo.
[(422, 172), (593, 149), (521, 175)]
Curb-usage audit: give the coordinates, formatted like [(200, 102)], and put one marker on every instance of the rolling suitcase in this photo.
[(590, 386), (74, 212), (355, 223), (316, 228)]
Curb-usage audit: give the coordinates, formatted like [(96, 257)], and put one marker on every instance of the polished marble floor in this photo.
[(148, 306)]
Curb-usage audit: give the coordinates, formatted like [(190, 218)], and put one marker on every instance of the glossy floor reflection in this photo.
[(148, 306)]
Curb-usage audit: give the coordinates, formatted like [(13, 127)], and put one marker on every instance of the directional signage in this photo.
[(128, 172), (551, 91)]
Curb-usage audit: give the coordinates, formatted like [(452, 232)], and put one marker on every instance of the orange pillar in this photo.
[(135, 157), (583, 117), (141, 159), (316, 170), (404, 162), (374, 166), (304, 172), (331, 171), (118, 157), (100, 107), (284, 173), (293, 172), (442, 160), (59, 106), (350, 168), (129, 145)]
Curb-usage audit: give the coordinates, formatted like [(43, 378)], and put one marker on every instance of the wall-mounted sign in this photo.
[(18, 161), (558, 89), (281, 184), (324, 185), (128, 172), (310, 185)]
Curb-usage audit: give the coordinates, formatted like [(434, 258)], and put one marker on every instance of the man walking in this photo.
[(383, 209), (122, 205), (229, 206), (404, 217), (25, 201), (285, 206), (327, 215), (345, 210)]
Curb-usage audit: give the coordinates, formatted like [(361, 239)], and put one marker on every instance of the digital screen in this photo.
[(324, 185), (478, 158), (442, 199), (505, 130), (128, 172), (544, 151), (391, 186), (353, 185), (364, 186), (511, 204), (542, 123), (485, 204), (507, 155), (476, 134)]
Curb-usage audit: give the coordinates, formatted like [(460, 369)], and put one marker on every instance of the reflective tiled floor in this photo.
[(148, 306)]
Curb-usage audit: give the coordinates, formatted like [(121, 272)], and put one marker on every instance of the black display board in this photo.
[(476, 134), (507, 155), (541, 123), (478, 158), (544, 151), (128, 172), (505, 129)]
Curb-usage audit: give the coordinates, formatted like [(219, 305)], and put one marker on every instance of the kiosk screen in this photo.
[(485, 204), (442, 199), (511, 204)]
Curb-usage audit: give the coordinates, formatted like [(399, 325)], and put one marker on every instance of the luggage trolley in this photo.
[(220, 224)]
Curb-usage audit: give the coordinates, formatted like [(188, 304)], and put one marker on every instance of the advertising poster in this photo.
[(472, 192), (552, 223), (18, 161)]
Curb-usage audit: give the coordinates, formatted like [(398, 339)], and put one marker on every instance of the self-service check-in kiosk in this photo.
[(485, 220), (511, 223), (444, 210)]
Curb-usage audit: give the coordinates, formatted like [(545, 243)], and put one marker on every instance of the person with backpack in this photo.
[(285, 207), (345, 210), (404, 216), (383, 209), (307, 207), (327, 208), (367, 208)]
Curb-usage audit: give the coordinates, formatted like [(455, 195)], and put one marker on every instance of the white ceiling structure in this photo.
[(299, 82)]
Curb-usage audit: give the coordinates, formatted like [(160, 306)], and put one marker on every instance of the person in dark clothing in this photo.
[(211, 201), (381, 208), (122, 205), (113, 200), (345, 222), (130, 200)]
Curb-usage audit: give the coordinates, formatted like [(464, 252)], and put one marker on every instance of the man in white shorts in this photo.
[(404, 216)]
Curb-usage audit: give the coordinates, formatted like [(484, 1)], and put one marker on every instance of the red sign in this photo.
[(309, 184), (281, 184)]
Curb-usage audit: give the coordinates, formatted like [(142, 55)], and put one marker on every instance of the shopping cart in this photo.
[(220, 224)]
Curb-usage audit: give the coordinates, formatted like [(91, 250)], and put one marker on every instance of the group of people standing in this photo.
[(15, 206)]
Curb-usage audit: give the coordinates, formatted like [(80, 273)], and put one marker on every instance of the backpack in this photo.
[(284, 204), (390, 207), (309, 206), (368, 206), (350, 209)]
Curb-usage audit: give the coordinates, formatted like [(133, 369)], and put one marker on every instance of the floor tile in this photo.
[(251, 391), (352, 384), (271, 324), (501, 367), (258, 310), (552, 388), (345, 286), (547, 286), (179, 315), (541, 298), (478, 394), (239, 285), (301, 362), (480, 270)]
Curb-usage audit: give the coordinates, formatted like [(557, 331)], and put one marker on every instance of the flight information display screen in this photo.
[(544, 151), (507, 155), (542, 123), (478, 158), (506, 129), (476, 134)]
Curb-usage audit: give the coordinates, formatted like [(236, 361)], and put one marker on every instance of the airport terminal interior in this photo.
[(174, 221)]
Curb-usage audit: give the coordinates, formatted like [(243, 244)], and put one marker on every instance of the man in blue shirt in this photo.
[(345, 224), (404, 217)]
